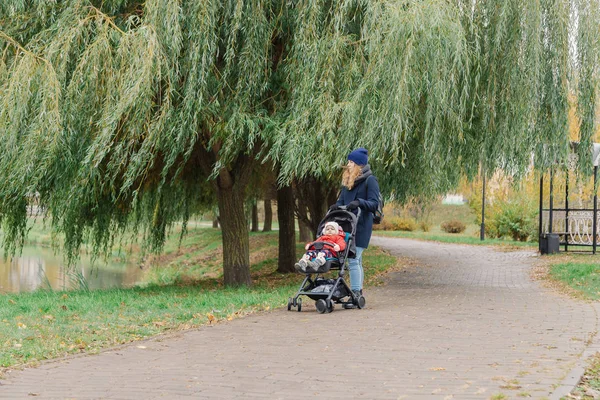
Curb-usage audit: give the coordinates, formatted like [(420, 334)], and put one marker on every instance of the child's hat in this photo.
[(332, 223)]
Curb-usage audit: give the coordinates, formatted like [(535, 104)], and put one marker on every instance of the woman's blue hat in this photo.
[(359, 156)]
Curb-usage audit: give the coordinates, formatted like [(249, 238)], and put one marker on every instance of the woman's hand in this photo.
[(307, 246), (336, 247), (353, 205)]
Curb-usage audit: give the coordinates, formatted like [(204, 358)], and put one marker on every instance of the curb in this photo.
[(574, 376)]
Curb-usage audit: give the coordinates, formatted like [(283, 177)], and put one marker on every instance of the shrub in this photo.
[(425, 226), (404, 224), (453, 226), (397, 224), (386, 225), (516, 219)]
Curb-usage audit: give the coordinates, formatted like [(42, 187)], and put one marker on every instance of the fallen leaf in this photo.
[(48, 316), (141, 347), (437, 369), (65, 296), (21, 325), (211, 318), (11, 301)]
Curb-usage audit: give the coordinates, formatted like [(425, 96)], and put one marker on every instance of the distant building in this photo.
[(456, 199)]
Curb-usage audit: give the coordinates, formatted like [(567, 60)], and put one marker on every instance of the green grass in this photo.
[(43, 325), (441, 213), (183, 290), (454, 238), (583, 277)]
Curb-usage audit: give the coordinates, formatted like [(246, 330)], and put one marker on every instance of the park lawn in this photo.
[(184, 290), (579, 272), (456, 238)]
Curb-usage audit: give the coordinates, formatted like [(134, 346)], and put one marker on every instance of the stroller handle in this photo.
[(345, 208), (319, 245)]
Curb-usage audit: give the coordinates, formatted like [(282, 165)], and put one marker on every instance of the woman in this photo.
[(359, 189)]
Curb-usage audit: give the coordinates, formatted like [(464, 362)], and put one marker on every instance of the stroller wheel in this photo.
[(361, 303), (330, 305), (321, 306), (290, 304), (299, 304)]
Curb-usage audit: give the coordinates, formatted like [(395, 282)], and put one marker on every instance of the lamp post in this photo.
[(595, 162), (482, 230)]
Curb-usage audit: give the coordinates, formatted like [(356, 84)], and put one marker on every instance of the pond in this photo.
[(40, 268)]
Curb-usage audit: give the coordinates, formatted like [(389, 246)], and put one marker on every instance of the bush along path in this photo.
[(462, 322)]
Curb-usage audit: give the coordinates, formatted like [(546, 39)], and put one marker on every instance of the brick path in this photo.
[(466, 322)]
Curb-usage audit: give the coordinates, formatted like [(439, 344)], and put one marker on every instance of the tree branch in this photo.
[(23, 49), (107, 19)]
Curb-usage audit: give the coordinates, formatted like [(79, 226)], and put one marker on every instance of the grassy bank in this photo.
[(455, 238), (183, 290), (581, 273)]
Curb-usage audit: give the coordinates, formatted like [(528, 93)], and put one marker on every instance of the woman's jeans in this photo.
[(357, 274)]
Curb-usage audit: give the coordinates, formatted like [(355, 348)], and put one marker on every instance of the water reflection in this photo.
[(39, 268)]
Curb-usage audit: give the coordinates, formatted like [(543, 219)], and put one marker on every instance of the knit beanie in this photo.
[(359, 156), (333, 223)]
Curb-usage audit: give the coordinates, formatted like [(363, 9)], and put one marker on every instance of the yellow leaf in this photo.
[(437, 369), (65, 296), (211, 318), (11, 301), (21, 325)]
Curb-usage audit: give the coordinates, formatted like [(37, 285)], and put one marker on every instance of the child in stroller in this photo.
[(324, 291), (334, 239)]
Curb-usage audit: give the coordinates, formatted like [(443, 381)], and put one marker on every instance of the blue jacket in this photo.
[(366, 191)]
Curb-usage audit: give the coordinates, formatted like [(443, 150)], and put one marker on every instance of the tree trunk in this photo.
[(215, 222), (236, 248), (314, 197), (306, 235), (267, 225), (287, 231), (254, 217)]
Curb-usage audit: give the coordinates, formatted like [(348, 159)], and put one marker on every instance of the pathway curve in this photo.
[(465, 322)]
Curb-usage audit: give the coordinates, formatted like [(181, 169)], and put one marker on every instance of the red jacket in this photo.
[(337, 239)]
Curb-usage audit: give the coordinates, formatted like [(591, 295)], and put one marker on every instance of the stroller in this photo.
[(327, 292)]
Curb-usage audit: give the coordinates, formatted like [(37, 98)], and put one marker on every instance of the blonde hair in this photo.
[(350, 174)]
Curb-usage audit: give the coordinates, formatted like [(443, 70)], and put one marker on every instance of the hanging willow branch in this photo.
[(120, 112)]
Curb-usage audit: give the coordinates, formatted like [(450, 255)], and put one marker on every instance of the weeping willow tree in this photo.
[(126, 114)]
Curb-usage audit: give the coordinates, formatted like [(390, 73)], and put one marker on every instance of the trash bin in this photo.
[(549, 243)]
